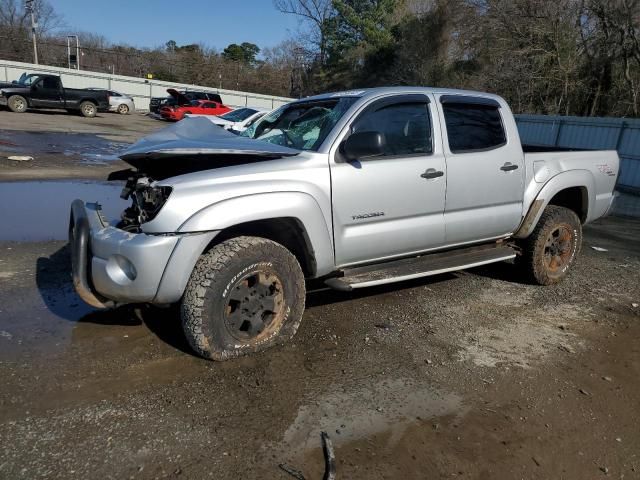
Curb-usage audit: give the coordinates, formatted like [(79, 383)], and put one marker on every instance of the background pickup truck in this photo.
[(39, 90), (352, 189)]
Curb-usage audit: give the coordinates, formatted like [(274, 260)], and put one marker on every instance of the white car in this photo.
[(237, 120), (118, 102)]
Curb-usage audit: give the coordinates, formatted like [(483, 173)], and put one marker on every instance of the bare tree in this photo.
[(317, 14)]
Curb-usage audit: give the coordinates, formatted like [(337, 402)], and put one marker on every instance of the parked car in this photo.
[(158, 102), (354, 189), (202, 107), (40, 90), (236, 120), (119, 102)]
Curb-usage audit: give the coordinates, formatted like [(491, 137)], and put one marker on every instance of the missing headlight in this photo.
[(146, 202)]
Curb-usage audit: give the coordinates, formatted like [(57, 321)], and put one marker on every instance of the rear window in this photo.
[(473, 127)]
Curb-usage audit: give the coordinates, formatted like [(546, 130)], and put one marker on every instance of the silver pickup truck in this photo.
[(353, 189)]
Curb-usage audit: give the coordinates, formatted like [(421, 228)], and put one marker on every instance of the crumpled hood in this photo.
[(196, 144)]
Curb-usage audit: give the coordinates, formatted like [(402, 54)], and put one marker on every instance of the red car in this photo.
[(184, 106)]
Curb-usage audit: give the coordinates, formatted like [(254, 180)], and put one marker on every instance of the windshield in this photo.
[(238, 115), (302, 125), (27, 79)]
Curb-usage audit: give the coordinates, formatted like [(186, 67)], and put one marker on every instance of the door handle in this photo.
[(507, 167), (432, 173)]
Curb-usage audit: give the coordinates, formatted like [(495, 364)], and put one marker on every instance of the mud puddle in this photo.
[(90, 148), (39, 211), (389, 406)]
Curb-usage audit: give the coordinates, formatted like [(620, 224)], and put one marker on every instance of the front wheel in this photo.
[(18, 104), (123, 109), (551, 249), (88, 109), (244, 295)]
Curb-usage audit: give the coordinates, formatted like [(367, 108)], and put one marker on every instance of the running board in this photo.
[(423, 266)]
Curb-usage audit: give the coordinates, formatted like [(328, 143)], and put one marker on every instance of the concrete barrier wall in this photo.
[(139, 88)]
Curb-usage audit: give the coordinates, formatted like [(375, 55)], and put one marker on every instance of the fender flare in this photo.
[(297, 205), (562, 181)]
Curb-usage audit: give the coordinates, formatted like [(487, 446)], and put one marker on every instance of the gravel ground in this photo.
[(473, 375)]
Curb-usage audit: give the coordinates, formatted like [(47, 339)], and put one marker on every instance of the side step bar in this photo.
[(422, 266)]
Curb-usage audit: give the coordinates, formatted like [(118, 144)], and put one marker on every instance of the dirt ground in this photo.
[(474, 375)]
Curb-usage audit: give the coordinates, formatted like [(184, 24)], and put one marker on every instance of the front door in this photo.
[(393, 204), (485, 169), (46, 92)]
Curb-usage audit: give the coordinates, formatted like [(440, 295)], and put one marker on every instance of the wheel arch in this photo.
[(570, 189), (15, 94), (292, 219), (297, 213), (287, 231)]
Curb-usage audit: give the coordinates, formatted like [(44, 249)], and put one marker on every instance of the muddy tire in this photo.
[(88, 109), (123, 109), (551, 249), (17, 104), (244, 295)]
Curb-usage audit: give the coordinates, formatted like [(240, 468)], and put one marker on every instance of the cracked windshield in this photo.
[(303, 126)]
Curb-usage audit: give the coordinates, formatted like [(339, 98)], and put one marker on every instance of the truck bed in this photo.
[(601, 165)]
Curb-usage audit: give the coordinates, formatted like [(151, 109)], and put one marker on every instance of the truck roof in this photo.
[(373, 92), (42, 74)]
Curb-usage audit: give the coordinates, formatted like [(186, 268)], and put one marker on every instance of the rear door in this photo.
[(388, 206), (485, 168)]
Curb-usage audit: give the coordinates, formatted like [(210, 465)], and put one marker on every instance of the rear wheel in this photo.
[(18, 104), (88, 109), (123, 109), (550, 251), (244, 295)]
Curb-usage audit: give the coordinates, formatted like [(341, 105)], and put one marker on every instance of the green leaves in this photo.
[(245, 52)]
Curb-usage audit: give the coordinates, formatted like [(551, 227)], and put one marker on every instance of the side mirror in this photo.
[(363, 145)]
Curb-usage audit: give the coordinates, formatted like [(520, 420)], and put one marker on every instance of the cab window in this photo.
[(406, 127), (473, 127)]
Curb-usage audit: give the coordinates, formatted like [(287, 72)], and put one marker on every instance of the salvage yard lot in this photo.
[(474, 375), (65, 145)]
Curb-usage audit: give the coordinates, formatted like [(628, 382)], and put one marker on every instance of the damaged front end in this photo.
[(146, 202), (115, 263)]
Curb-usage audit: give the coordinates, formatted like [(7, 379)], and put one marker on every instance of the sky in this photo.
[(152, 23)]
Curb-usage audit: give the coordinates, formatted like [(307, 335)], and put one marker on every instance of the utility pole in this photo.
[(29, 8)]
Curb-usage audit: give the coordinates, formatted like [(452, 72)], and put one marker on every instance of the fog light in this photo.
[(121, 270)]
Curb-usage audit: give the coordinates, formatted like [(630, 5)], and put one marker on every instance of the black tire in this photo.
[(88, 109), (17, 103), (123, 109), (551, 249), (244, 295)]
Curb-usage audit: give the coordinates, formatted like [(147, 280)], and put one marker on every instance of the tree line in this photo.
[(243, 66), (568, 57)]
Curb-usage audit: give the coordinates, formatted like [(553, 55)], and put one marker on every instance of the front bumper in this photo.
[(111, 266)]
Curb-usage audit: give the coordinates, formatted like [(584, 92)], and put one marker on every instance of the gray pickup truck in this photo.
[(352, 189), (41, 90)]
